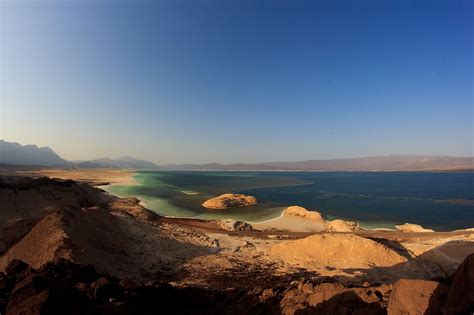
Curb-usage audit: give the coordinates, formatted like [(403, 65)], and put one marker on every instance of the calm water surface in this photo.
[(443, 201)]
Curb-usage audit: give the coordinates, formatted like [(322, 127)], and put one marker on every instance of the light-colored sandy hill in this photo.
[(336, 251), (444, 253), (342, 226), (118, 243), (294, 219), (304, 213), (229, 200), (409, 227)]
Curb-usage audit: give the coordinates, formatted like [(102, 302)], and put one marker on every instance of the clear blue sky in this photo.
[(238, 81)]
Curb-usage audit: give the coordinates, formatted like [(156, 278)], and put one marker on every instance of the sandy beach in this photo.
[(95, 177)]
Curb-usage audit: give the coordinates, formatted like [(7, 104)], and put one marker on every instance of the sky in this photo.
[(237, 81)]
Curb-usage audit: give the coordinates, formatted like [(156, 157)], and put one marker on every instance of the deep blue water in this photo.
[(438, 200), (443, 201)]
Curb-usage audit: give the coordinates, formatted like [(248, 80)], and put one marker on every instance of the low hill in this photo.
[(375, 163)]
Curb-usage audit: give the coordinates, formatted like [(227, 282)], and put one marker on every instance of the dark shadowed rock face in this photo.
[(333, 298), (461, 295), (68, 288)]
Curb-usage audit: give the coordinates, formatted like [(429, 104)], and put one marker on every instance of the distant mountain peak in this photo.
[(16, 154), (120, 162), (126, 158)]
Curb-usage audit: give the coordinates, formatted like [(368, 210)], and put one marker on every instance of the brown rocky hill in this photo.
[(26, 197)]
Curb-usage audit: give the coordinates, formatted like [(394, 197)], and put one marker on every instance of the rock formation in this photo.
[(410, 296), (233, 225), (336, 251), (408, 227), (461, 295), (304, 213), (229, 200), (24, 197), (341, 226)]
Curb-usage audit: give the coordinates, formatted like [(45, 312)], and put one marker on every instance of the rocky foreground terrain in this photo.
[(69, 248)]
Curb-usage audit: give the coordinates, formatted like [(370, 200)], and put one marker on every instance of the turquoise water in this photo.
[(443, 201)]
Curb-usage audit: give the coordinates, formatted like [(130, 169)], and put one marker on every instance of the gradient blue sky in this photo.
[(238, 81)]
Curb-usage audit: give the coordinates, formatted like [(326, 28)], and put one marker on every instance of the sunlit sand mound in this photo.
[(114, 242), (294, 219), (342, 226), (304, 213), (229, 200), (336, 251), (408, 227)]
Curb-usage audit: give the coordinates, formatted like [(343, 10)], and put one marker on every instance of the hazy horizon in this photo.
[(238, 82)]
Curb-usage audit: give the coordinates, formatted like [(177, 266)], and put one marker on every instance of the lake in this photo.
[(438, 200)]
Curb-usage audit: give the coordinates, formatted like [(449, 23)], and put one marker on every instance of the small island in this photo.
[(226, 201)]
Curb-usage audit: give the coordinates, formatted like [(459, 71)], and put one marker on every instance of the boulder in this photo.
[(341, 226), (233, 225), (304, 213), (461, 294), (410, 296), (226, 201), (329, 298), (408, 227)]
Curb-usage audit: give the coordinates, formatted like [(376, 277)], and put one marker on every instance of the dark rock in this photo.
[(99, 282), (81, 286), (105, 290), (460, 298), (266, 295), (128, 284), (15, 267)]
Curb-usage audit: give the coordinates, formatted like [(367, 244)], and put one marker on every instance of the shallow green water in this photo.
[(442, 201), (181, 194)]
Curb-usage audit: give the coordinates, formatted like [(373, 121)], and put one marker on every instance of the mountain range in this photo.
[(16, 154), (31, 155), (374, 163), (121, 162)]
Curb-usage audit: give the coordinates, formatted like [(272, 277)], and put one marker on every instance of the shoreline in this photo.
[(106, 178)]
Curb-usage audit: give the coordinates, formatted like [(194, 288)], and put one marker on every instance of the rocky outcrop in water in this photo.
[(226, 201)]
